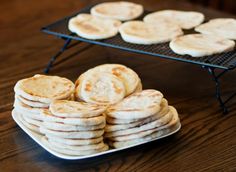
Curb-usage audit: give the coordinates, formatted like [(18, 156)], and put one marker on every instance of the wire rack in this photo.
[(224, 61)]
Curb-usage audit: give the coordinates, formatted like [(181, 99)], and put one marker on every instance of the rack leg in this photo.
[(50, 64), (218, 90)]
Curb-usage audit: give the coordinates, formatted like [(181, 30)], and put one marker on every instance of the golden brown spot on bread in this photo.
[(117, 90), (90, 28), (88, 87)]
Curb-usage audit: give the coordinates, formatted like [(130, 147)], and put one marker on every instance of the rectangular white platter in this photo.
[(37, 138)]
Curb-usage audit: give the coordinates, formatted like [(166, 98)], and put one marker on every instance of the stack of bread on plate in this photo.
[(34, 94), (105, 21), (140, 117), (74, 128), (105, 106)]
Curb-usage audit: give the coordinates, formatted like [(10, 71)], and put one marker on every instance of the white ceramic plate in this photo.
[(37, 137)]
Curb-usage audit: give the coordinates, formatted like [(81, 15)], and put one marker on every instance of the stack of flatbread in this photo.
[(140, 117), (34, 94), (107, 84), (74, 128)]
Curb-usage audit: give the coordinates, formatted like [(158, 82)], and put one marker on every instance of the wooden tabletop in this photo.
[(206, 142)]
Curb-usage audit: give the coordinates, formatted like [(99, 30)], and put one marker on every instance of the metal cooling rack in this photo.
[(223, 61)]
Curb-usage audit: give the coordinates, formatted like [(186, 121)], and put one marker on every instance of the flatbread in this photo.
[(75, 142), (77, 147), (73, 109), (49, 117), (92, 27), (32, 127), (129, 77), (139, 105), (141, 134), (20, 105), (155, 120), (31, 103), (70, 127), (73, 152), (223, 27), (35, 116), (183, 19), (72, 134), (32, 121), (138, 32), (44, 88), (120, 10), (142, 127), (198, 45), (164, 109), (100, 88), (150, 137)]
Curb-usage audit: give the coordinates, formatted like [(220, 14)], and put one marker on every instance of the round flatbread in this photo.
[(73, 152), (73, 109), (117, 10), (173, 122), (31, 103), (49, 117), (32, 127), (78, 147), (70, 127), (92, 27), (75, 142), (155, 120), (100, 88), (223, 27), (164, 109), (157, 134), (142, 127), (139, 105), (183, 19), (44, 88), (24, 107), (72, 134), (138, 32), (198, 45), (31, 121), (130, 78), (35, 116)]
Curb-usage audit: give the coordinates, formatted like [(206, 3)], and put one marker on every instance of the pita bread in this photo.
[(153, 120), (35, 116), (73, 152), (32, 121), (32, 127), (129, 78), (174, 121), (78, 147), (183, 19), (44, 88), (72, 134), (100, 88), (49, 117), (138, 32), (31, 103), (69, 127), (75, 142), (120, 10), (139, 105), (142, 127), (164, 109), (150, 137), (73, 109), (24, 107), (92, 27), (223, 27), (198, 45)]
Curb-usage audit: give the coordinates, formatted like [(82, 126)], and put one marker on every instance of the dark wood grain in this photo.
[(206, 142)]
